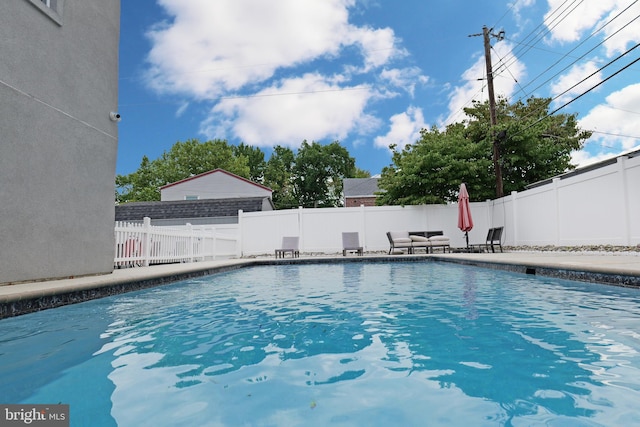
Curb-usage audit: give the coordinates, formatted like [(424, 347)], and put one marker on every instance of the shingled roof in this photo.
[(359, 187), (180, 209)]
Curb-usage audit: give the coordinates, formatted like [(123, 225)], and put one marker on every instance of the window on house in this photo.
[(191, 197), (51, 8), (50, 3)]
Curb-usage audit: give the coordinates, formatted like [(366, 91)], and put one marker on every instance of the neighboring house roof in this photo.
[(205, 208), (222, 171), (360, 187)]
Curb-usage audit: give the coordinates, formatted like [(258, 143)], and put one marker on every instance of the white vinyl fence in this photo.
[(145, 244), (594, 206)]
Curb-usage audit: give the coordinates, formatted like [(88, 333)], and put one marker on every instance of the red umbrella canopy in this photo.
[(465, 222)]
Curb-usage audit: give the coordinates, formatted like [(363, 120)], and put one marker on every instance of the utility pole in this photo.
[(486, 35)]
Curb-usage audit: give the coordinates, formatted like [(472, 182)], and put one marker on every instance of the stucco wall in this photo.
[(58, 83)]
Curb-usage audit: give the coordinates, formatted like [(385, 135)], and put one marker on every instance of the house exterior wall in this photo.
[(216, 185), (354, 202), (58, 83)]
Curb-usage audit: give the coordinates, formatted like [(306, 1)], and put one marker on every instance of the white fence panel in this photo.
[(320, 230), (632, 196), (144, 244), (262, 232)]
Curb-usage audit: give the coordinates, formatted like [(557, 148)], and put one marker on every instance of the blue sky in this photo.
[(368, 73)]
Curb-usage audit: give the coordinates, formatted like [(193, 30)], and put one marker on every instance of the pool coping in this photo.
[(18, 299)]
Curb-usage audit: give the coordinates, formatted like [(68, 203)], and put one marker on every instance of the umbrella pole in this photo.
[(466, 236)]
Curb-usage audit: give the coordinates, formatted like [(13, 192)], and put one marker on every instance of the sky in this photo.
[(367, 73)]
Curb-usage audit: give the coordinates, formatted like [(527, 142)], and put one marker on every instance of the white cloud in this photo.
[(405, 78), (616, 122), (404, 129), (475, 88), (569, 24), (182, 108), (584, 158), (243, 55), (378, 45), (517, 6), (310, 107), (567, 21), (566, 86), (623, 30), (212, 47)]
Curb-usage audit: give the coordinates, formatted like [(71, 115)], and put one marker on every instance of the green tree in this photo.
[(277, 176), (318, 172), (533, 146), (255, 160), (141, 185), (183, 160), (360, 173), (431, 170)]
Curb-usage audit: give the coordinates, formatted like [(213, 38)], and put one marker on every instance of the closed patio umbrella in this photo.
[(465, 222)]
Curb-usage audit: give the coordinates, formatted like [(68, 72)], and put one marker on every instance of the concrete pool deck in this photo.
[(609, 268)]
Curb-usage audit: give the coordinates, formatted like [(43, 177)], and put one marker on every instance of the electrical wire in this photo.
[(546, 116), (580, 57), (548, 25)]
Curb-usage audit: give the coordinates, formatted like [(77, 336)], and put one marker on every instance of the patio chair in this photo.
[(419, 239), (496, 239), (483, 247), (351, 243), (399, 240), (429, 240), (289, 244)]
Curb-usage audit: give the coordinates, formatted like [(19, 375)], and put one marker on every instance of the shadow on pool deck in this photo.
[(22, 298)]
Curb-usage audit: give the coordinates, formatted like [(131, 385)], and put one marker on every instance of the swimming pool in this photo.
[(354, 344)]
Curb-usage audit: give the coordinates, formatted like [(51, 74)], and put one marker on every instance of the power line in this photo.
[(265, 95), (546, 116), (548, 25), (595, 72), (615, 134), (559, 11), (576, 47)]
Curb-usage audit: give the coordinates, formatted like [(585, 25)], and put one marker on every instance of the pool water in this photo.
[(354, 344)]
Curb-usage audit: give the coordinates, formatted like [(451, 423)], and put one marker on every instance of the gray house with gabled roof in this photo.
[(194, 212), (360, 191), (212, 197)]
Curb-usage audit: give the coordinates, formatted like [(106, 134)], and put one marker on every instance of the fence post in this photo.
[(190, 244), (214, 242), (363, 223), (555, 182), (146, 244), (622, 179), (514, 219), (301, 228), (239, 241)]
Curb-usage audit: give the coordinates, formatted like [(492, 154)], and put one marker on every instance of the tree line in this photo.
[(310, 177), (534, 146)]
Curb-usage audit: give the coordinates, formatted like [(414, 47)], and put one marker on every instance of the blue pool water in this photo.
[(356, 344)]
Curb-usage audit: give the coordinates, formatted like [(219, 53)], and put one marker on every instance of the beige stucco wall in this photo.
[(58, 83)]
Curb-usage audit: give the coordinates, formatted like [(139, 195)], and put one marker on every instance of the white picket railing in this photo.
[(144, 244)]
